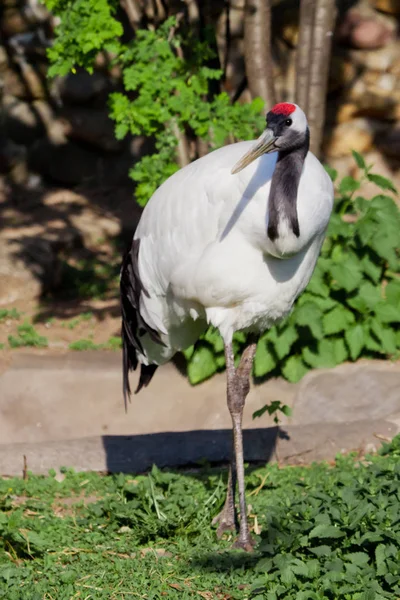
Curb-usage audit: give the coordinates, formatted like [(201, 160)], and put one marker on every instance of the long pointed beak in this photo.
[(263, 145)]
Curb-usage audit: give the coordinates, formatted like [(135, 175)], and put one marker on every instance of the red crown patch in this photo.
[(283, 108)]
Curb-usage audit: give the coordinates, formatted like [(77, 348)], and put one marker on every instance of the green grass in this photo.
[(87, 316), (326, 533), (27, 336), (5, 313), (113, 343)]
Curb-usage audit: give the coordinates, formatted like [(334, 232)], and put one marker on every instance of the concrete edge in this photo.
[(137, 453)]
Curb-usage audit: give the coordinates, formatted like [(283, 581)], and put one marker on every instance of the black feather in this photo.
[(282, 200), (133, 324)]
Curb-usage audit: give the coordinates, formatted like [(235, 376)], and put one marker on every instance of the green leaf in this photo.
[(372, 269), (324, 357), (339, 351), (331, 172), (359, 304), (326, 531), (201, 365), (355, 340), (317, 285), (322, 550), (371, 294), (294, 369), (380, 556), (357, 558), (285, 340), (309, 315), (382, 182), (213, 337), (392, 292), (348, 185), (387, 313), (337, 320), (324, 304), (264, 360), (347, 275), (359, 160), (272, 408), (386, 337)]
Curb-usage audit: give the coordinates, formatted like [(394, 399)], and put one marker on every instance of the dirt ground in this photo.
[(60, 254)]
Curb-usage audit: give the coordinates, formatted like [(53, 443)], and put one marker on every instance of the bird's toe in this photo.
[(247, 544), (225, 521)]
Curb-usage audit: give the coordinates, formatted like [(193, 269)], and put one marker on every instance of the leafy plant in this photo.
[(87, 316), (113, 343), (84, 344), (27, 336), (351, 306), (6, 313), (324, 533), (273, 408), (85, 28), (166, 86)]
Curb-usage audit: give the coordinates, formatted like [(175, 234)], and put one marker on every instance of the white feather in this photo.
[(205, 256)]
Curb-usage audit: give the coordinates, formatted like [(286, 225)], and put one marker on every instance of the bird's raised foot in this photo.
[(225, 521), (247, 544)]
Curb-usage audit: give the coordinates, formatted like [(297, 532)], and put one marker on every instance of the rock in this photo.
[(375, 95), (290, 33), (323, 395), (13, 85), (82, 87), (355, 135), (391, 7), (363, 32), (389, 143), (11, 154), (14, 21), (68, 163), (3, 59), (342, 73), (345, 112), (378, 104), (376, 60), (22, 123), (92, 126)]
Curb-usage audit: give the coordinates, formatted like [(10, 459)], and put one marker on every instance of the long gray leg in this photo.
[(238, 386)]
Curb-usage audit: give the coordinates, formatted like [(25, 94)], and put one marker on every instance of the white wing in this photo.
[(204, 248)]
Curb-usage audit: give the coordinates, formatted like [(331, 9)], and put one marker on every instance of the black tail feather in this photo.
[(133, 325), (146, 374)]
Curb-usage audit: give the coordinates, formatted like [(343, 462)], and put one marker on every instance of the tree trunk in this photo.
[(133, 11), (257, 50), (182, 149), (304, 52), (321, 51)]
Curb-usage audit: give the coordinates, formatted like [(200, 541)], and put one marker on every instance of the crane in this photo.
[(230, 240)]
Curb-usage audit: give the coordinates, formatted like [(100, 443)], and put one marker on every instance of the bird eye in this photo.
[(288, 122)]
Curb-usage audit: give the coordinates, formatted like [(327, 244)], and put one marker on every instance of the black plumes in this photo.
[(282, 202), (133, 324)]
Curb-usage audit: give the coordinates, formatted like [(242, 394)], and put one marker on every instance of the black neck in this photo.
[(282, 203)]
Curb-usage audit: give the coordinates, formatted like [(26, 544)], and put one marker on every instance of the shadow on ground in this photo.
[(138, 453)]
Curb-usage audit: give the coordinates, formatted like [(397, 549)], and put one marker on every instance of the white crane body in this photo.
[(230, 240), (205, 257)]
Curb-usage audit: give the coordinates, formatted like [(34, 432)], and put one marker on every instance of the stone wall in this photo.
[(61, 132), (363, 104), (57, 134)]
